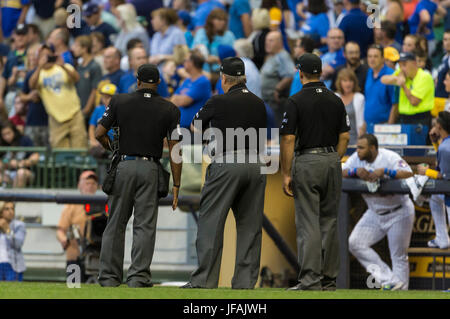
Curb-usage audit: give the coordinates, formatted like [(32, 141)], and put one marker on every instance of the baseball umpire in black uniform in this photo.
[(230, 184), (315, 128), (144, 119)]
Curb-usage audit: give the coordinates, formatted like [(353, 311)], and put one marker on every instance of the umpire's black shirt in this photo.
[(144, 119), (238, 108), (316, 116)]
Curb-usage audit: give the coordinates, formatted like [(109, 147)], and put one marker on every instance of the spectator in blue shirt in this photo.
[(17, 57), (240, 22), (12, 73), (335, 55), (127, 84), (421, 21), (317, 23), (183, 23), (107, 92), (380, 98), (111, 62), (354, 25), (13, 13), (59, 39), (302, 46), (211, 36), (203, 10), (194, 91), (92, 14), (167, 35)]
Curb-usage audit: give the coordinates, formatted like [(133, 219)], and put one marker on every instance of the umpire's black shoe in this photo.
[(328, 284), (329, 287), (188, 285), (300, 286), (139, 285)]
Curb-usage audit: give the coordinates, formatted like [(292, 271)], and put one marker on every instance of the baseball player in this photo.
[(391, 215), (440, 131)]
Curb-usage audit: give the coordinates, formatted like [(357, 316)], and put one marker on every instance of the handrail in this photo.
[(398, 186), (186, 200)]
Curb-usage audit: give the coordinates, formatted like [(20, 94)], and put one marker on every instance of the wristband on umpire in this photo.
[(432, 173)]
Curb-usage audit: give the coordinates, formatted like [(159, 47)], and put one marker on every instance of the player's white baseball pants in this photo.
[(370, 229), (437, 207)]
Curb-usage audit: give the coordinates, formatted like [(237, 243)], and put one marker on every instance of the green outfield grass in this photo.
[(32, 290)]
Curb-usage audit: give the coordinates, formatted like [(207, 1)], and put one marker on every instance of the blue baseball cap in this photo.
[(90, 9), (225, 51), (185, 17)]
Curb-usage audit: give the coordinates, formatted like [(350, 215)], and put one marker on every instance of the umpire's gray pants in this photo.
[(240, 187), (317, 182), (135, 186)]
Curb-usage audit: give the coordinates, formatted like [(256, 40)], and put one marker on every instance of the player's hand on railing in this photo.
[(376, 174), (422, 168), (363, 174)]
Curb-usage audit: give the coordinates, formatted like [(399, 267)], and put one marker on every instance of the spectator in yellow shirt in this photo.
[(55, 82), (416, 91)]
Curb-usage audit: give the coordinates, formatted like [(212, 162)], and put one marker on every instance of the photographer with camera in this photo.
[(73, 219), (55, 82), (12, 237)]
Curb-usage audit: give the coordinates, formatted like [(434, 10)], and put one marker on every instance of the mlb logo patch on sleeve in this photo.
[(402, 163)]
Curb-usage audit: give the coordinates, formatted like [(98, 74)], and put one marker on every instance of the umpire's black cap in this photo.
[(233, 66), (309, 63), (148, 73)]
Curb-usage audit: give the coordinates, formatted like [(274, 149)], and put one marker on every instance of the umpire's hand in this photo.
[(287, 185), (175, 191)]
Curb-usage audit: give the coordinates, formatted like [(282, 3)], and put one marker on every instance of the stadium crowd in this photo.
[(61, 66), (96, 54)]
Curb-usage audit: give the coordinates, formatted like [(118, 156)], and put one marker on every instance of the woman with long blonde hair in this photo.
[(130, 28)]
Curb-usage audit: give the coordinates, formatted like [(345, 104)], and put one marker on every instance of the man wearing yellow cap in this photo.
[(106, 93), (391, 56)]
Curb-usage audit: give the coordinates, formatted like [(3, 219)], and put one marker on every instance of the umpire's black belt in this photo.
[(138, 158), (316, 150), (396, 208)]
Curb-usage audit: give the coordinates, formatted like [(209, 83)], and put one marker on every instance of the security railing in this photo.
[(56, 168)]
